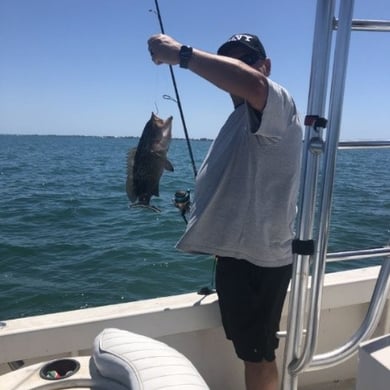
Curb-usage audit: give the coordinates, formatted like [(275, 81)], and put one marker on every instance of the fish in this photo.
[(147, 162)]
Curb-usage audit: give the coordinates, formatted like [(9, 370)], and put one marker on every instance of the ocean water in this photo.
[(69, 240)]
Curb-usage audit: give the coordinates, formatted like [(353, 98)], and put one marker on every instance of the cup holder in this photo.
[(59, 369)]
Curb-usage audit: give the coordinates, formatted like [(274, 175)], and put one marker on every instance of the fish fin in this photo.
[(155, 190), (168, 166), (130, 190), (146, 206)]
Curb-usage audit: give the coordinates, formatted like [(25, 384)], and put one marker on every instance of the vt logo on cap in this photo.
[(250, 41), (241, 37)]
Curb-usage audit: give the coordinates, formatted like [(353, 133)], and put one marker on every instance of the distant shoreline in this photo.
[(343, 143), (97, 136)]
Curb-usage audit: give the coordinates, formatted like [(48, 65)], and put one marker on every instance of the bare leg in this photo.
[(261, 376)]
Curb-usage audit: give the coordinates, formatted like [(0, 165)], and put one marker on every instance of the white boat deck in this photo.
[(337, 385)]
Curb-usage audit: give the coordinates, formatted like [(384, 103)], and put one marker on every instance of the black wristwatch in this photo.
[(185, 55)]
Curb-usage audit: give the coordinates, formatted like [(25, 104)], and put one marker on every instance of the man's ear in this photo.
[(267, 65)]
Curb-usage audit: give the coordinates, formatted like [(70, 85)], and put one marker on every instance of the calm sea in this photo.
[(69, 240)]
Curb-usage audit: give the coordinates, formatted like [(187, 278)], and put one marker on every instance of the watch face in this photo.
[(185, 55), (186, 50)]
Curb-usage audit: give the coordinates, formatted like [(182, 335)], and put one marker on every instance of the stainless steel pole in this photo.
[(335, 113), (310, 166)]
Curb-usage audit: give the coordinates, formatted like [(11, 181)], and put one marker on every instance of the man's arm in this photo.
[(229, 74)]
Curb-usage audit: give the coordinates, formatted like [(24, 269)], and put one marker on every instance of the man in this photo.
[(245, 196)]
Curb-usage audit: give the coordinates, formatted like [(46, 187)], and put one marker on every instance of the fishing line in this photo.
[(155, 105), (178, 102)]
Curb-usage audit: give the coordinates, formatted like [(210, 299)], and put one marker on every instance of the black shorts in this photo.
[(251, 301)]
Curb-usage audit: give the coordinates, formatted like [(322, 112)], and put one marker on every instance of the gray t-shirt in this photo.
[(246, 189)]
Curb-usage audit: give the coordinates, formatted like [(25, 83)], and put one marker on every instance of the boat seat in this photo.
[(142, 363)]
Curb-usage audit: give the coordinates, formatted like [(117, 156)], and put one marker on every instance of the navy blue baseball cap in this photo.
[(244, 39)]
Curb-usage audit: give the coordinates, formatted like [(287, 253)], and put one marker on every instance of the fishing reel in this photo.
[(182, 201)]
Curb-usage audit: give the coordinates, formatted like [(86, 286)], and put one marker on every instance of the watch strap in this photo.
[(185, 55)]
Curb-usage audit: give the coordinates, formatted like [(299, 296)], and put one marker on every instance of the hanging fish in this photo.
[(146, 162)]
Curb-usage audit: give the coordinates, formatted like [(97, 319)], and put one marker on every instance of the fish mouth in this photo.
[(168, 123)]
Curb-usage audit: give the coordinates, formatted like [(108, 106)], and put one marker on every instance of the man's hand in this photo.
[(164, 49)]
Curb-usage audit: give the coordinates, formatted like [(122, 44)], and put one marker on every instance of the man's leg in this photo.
[(251, 301), (261, 376)]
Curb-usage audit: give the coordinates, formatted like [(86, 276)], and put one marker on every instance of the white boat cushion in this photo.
[(142, 363)]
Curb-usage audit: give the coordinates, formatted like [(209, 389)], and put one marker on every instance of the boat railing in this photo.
[(370, 322), (366, 25), (310, 252), (358, 254), (363, 144)]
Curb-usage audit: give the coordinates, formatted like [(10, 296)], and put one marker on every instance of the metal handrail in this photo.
[(367, 25), (296, 358), (345, 256), (370, 322), (308, 185), (358, 254), (363, 144), (335, 111)]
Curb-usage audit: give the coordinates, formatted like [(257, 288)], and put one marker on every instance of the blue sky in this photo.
[(82, 66)]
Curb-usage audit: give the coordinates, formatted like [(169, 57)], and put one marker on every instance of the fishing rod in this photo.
[(182, 198), (177, 95)]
